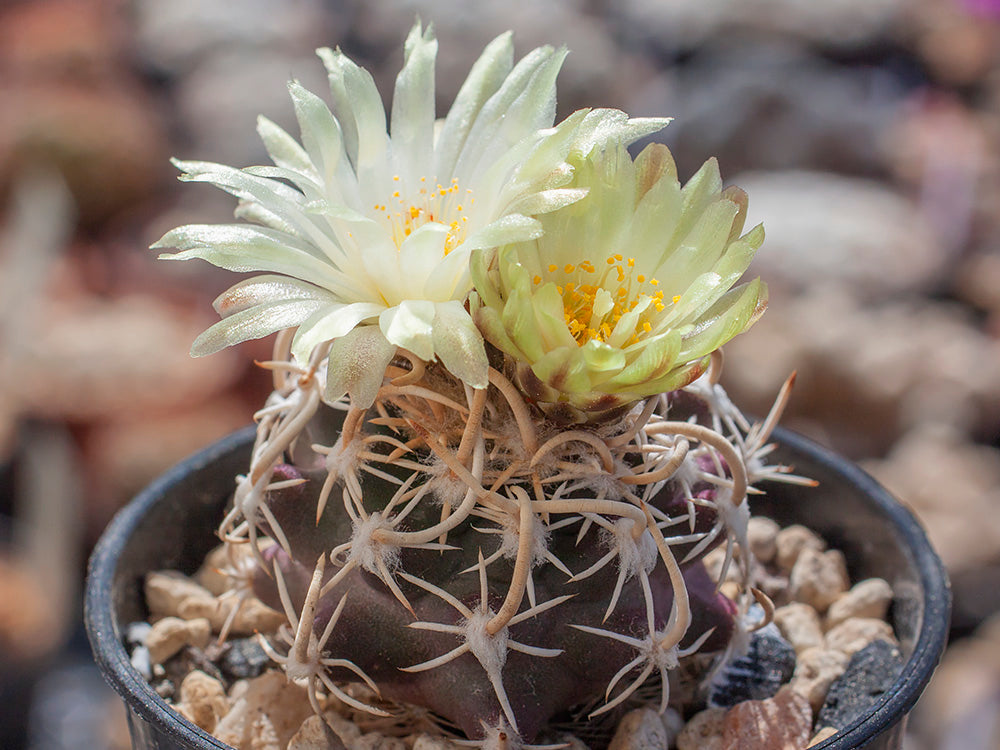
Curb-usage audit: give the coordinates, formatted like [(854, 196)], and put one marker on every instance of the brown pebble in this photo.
[(171, 634), (783, 722), (868, 598), (853, 635), (790, 542), (730, 590), (703, 730), (818, 578)]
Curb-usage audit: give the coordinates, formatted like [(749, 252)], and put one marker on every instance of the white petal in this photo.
[(547, 200), (330, 323), (320, 131), (603, 303), (357, 105), (242, 248), (525, 103), (267, 288), (509, 229), (421, 252), (254, 323), (412, 119), (459, 345), (410, 325), (602, 126), (357, 365), (283, 149), (487, 75), (451, 279)]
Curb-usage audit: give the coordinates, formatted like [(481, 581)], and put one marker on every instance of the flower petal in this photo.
[(328, 323), (510, 228), (242, 248), (459, 345), (410, 326), (254, 323), (283, 149), (487, 75), (412, 120), (356, 365), (358, 108), (267, 288)]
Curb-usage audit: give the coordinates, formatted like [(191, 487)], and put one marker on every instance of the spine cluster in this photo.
[(453, 548)]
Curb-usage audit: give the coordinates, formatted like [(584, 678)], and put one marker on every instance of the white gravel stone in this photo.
[(427, 742), (853, 635), (640, 729), (703, 731), (762, 536), (171, 634), (168, 590), (818, 578), (141, 662), (868, 598), (266, 713), (204, 699), (800, 625), (790, 542), (815, 671)]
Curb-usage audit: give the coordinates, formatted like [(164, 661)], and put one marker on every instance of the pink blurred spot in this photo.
[(989, 8)]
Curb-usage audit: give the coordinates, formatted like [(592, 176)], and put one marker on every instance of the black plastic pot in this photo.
[(170, 525)]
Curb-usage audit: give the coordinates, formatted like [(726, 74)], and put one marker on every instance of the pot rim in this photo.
[(930, 643), (113, 659), (99, 618)]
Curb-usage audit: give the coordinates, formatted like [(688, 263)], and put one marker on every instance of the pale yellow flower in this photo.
[(627, 292)]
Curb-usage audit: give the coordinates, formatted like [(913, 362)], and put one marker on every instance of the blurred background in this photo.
[(866, 132)]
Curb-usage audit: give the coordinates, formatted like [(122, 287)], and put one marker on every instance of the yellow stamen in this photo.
[(580, 300), (429, 206)]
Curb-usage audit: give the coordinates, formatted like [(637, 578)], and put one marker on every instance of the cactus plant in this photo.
[(496, 451)]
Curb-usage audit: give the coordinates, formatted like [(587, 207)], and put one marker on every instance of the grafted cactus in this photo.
[(496, 451)]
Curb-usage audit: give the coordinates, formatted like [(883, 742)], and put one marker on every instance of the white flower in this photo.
[(365, 235)]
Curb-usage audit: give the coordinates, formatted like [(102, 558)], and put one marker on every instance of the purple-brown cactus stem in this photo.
[(454, 549)]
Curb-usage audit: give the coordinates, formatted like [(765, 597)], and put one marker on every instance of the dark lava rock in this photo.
[(243, 659), (187, 660), (870, 672), (767, 665)]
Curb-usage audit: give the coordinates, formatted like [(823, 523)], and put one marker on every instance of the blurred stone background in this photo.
[(866, 132)]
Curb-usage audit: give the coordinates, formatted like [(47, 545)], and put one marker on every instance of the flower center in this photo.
[(442, 204), (594, 303)]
